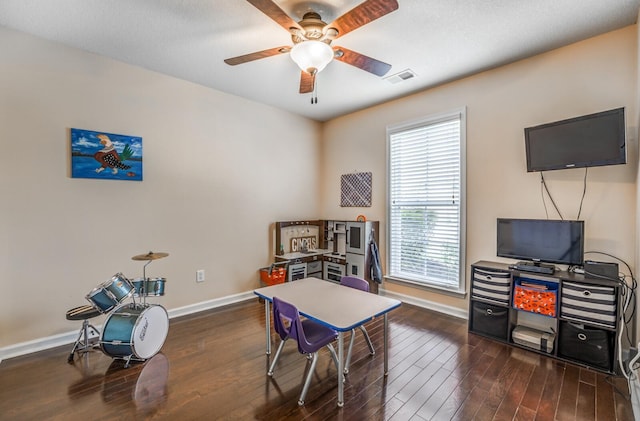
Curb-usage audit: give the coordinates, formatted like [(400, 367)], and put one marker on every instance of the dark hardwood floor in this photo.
[(213, 367)]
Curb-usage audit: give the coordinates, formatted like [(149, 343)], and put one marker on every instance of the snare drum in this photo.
[(135, 330), (109, 294)]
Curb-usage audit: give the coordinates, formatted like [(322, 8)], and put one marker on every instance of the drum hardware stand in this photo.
[(144, 283), (131, 357), (83, 342), (128, 358)]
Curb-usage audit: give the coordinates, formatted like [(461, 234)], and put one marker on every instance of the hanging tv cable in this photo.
[(544, 184), (584, 191)]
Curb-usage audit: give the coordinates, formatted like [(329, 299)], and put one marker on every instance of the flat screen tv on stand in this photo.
[(540, 242)]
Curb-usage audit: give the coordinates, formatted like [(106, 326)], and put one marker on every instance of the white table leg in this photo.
[(267, 317), (386, 343), (340, 369)]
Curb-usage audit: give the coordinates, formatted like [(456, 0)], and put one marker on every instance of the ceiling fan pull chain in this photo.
[(314, 94)]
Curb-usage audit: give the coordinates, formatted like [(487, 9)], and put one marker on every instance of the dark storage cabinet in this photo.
[(581, 316)]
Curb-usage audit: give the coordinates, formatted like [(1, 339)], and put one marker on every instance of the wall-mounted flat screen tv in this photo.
[(586, 141), (541, 240)]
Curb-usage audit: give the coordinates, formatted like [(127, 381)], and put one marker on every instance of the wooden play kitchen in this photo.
[(326, 249)]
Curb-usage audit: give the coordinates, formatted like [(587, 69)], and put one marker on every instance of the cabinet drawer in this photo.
[(491, 285), (589, 303), (489, 320), (586, 345)]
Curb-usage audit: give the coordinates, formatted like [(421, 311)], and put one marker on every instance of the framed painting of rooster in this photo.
[(105, 155)]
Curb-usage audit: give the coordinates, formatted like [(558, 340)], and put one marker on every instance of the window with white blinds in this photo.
[(426, 202)]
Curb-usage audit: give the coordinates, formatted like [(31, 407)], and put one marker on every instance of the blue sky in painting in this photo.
[(86, 142)]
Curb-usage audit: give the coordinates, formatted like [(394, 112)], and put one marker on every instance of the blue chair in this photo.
[(362, 285), (309, 335)]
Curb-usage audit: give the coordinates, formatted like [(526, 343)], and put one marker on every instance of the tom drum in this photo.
[(155, 286), (150, 287), (109, 294)]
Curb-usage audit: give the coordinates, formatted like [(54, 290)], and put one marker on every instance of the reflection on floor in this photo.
[(213, 366)]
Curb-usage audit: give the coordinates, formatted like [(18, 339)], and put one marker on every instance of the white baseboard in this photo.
[(430, 305), (210, 304), (53, 341), (60, 339)]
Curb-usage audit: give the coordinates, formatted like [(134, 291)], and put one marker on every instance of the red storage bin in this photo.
[(274, 274)]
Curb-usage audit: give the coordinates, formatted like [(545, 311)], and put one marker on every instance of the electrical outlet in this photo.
[(200, 275)]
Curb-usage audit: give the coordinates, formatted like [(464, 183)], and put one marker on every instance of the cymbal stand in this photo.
[(144, 283)]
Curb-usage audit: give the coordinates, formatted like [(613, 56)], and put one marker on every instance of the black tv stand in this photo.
[(584, 334), (535, 267)]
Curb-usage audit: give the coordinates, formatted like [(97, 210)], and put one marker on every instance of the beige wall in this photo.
[(217, 170), (215, 178), (637, 232), (590, 76)]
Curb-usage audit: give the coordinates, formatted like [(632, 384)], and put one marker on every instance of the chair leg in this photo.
[(275, 358), (347, 361), (334, 356), (312, 369), (368, 339), (372, 351)]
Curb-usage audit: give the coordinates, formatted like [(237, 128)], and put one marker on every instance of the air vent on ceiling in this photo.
[(401, 76)]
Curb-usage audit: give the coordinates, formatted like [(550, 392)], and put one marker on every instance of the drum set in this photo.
[(137, 330)]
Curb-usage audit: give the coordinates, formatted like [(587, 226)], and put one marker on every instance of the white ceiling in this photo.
[(439, 40)]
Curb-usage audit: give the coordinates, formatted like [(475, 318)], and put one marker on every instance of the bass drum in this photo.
[(135, 330)]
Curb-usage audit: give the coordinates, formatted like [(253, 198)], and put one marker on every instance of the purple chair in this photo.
[(362, 285), (310, 336)]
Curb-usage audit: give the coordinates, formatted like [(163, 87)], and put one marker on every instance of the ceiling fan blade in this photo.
[(272, 10), (362, 14), (361, 61), (307, 81), (257, 55)]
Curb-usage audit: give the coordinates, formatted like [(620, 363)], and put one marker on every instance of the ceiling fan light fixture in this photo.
[(312, 56)]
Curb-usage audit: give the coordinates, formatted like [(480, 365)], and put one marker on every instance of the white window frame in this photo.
[(394, 274)]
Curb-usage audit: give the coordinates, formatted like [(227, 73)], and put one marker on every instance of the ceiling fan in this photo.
[(312, 38)]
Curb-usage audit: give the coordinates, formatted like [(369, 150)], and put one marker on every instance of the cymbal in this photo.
[(150, 256)]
